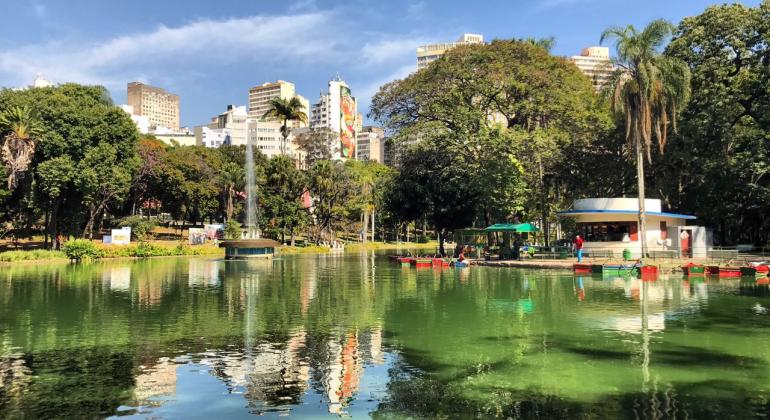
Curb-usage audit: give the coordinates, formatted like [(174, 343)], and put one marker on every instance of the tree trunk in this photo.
[(364, 227), (291, 232), (640, 181), (54, 225), (543, 205), (46, 226), (373, 214), (440, 234)]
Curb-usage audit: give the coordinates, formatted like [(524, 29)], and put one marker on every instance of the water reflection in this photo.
[(352, 335)]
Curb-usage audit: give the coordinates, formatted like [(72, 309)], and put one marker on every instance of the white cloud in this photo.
[(364, 94), (117, 60), (390, 50)]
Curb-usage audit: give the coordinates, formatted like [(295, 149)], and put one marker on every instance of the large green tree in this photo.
[(507, 110), (76, 121), (719, 166), (648, 90), (431, 184)]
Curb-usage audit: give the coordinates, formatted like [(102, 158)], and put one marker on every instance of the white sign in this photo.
[(121, 236)]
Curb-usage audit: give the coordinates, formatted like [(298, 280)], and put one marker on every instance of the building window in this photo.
[(608, 231)]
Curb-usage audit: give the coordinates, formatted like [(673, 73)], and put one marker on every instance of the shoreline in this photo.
[(207, 252)]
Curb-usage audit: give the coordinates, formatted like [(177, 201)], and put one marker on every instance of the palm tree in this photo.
[(231, 179), (285, 111), (22, 129), (648, 90)]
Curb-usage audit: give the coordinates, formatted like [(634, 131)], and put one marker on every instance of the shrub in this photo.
[(81, 249), (37, 254), (140, 226), (232, 229)]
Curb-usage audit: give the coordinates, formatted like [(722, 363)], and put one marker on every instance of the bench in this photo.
[(598, 253), (723, 254), (664, 253), (550, 255)]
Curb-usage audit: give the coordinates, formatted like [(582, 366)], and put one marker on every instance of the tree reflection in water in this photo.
[(353, 335)]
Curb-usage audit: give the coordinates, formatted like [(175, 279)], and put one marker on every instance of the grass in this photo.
[(31, 255)]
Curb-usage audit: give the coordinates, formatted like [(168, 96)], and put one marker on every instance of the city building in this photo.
[(160, 107), (260, 96), (370, 144), (266, 137), (427, 54), (182, 138), (337, 110), (141, 121), (234, 121), (595, 63), (41, 82), (612, 225), (212, 137)]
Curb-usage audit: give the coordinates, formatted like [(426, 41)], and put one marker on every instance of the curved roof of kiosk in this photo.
[(631, 212), (620, 205)]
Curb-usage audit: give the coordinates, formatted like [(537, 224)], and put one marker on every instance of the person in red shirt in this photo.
[(578, 242)]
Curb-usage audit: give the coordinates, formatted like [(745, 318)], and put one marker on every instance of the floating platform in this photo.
[(247, 249)]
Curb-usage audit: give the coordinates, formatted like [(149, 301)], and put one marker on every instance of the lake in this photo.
[(354, 335)]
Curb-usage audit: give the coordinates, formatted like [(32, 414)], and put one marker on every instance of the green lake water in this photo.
[(354, 335)]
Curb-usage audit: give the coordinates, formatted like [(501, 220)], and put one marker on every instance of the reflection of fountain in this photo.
[(251, 246)]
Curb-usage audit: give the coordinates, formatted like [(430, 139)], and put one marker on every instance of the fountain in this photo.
[(251, 245)]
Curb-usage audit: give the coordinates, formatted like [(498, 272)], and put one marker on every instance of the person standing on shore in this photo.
[(578, 243)]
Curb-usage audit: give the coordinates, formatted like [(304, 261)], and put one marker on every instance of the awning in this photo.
[(568, 213), (511, 227)]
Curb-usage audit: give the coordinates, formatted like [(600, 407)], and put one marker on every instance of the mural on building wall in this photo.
[(347, 123)]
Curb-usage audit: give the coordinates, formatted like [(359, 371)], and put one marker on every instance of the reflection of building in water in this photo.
[(269, 373), (371, 346), (117, 277), (150, 290), (661, 298), (307, 293), (343, 373), (15, 378), (203, 272), (156, 381)]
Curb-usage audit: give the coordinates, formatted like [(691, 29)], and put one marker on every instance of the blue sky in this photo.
[(210, 53)]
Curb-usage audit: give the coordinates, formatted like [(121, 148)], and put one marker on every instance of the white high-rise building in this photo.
[(235, 119), (427, 54), (267, 138), (595, 63), (337, 110)]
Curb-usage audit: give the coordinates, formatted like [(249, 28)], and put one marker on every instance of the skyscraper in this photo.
[(260, 96), (337, 110), (160, 107), (595, 63), (427, 54)]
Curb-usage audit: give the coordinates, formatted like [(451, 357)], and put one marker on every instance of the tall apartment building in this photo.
[(267, 138), (260, 96), (370, 144), (337, 110), (427, 54), (595, 63), (160, 107)]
